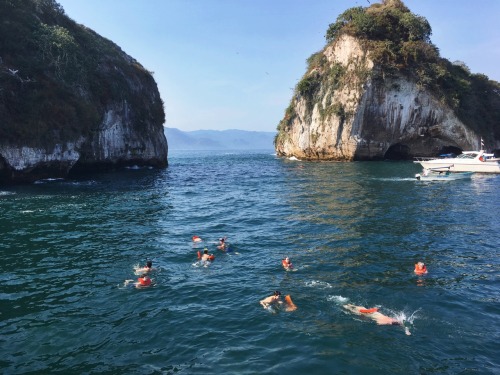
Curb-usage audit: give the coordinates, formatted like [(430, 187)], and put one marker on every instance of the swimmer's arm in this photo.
[(266, 302)]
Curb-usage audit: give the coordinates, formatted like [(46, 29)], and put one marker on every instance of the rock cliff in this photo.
[(379, 91), (70, 100)]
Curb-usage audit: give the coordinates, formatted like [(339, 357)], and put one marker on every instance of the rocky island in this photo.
[(379, 90), (70, 100)]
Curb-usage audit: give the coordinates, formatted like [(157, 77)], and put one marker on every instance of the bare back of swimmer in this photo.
[(373, 314), (147, 268), (271, 300)]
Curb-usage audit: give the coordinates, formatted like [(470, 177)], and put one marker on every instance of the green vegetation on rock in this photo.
[(58, 78)]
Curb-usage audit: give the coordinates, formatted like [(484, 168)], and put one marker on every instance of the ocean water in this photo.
[(352, 230)]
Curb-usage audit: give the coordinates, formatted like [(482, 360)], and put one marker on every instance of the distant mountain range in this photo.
[(219, 140)]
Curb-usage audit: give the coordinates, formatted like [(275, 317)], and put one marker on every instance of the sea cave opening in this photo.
[(450, 151), (398, 151)]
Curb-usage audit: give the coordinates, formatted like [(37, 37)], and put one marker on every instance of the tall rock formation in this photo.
[(71, 100), (380, 90)]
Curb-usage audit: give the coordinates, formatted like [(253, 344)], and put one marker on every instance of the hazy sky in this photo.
[(233, 64)]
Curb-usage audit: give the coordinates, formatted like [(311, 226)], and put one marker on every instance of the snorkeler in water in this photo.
[(222, 244), (206, 256), (273, 299), (147, 268), (287, 264), (143, 281), (375, 315), (420, 268)]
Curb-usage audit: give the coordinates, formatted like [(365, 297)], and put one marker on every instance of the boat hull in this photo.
[(454, 166), (468, 161)]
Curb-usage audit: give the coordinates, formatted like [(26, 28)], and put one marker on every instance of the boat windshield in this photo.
[(467, 156)]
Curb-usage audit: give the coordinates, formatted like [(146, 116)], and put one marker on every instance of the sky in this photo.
[(233, 64)]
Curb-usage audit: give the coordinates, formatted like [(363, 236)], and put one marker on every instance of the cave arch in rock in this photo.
[(450, 150), (398, 151)]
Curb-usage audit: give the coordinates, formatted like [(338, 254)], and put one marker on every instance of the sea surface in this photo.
[(352, 230)]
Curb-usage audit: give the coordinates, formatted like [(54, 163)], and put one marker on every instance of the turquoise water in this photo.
[(352, 230)]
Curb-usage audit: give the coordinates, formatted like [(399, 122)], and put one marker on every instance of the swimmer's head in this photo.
[(144, 275), (277, 293), (421, 264), (221, 239), (205, 251), (287, 259), (149, 264)]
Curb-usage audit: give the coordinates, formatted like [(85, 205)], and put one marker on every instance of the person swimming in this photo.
[(287, 264), (143, 281), (420, 268), (206, 256), (273, 299), (197, 239), (222, 244), (375, 315), (147, 268)]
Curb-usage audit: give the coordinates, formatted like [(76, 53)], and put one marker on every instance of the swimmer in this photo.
[(272, 300), (206, 256), (142, 281), (222, 244), (196, 239), (147, 268), (373, 314), (287, 264), (420, 268)]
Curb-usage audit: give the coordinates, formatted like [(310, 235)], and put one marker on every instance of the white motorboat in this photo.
[(442, 174), (467, 161)]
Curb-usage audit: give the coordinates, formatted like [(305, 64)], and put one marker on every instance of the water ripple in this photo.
[(353, 231)]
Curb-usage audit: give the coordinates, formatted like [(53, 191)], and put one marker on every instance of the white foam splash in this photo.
[(338, 299), (319, 284), (201, 263), (405, 320)]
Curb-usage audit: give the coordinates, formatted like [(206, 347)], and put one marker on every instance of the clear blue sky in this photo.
[(232, 64)]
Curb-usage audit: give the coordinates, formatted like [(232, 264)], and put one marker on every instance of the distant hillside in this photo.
[(219, 140)]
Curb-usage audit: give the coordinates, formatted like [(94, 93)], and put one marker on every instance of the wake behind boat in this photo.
[(467, 161)]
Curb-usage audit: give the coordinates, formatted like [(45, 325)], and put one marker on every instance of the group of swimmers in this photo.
[(275, 299), (372, 313), (205, 257)]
